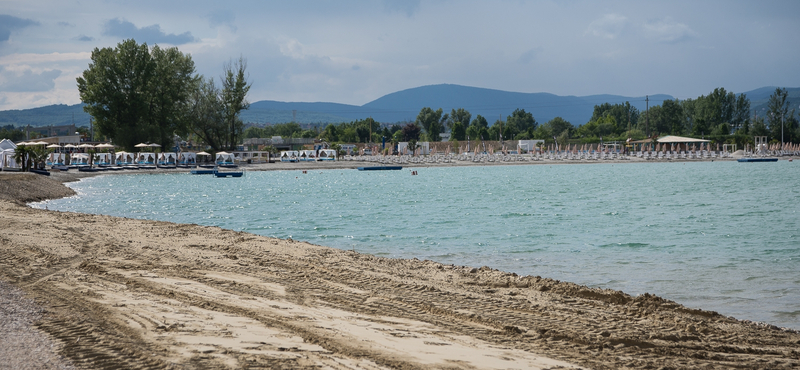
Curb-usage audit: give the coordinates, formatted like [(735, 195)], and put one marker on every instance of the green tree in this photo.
[(558, 125), (411, 132), (519, 121), (778, 115), (330, 134), (137, 94), (234, 98), (206, 112), (432, 121), (214, 112), (458, 115), (459, 131), (22, 155)]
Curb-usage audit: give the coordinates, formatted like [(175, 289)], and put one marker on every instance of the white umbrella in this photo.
[(104, 145), (203, 153), (141, 145), (70, 146), (154, 145), (24, 143), (51, 146), (86, 146)]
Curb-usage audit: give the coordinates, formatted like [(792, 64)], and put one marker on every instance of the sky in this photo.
[(353, 52)]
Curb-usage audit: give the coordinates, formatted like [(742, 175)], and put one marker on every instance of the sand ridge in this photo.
[(120, 292)]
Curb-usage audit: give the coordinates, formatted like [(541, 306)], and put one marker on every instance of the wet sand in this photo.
[(122, 293)]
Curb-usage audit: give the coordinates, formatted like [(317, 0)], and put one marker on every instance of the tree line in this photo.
[(136, 94)]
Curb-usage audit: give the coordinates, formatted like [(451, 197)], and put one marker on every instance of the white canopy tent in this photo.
[(7, 150)]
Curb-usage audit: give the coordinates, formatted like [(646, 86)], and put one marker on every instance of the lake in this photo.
[(720, 236)]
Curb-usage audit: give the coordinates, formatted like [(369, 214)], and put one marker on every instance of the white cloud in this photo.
[(28, 80), (609, 26), (668, 31)]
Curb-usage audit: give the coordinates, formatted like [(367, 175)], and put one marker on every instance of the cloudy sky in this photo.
[(353, 52)]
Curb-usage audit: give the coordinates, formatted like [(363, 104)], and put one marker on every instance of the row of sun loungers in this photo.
[(553, 156)]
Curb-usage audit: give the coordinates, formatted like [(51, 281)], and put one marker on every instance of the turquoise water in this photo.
[(720, 236)]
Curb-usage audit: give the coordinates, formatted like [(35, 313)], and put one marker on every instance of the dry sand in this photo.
[(123, 293)]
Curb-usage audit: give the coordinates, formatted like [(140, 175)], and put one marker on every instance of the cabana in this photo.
[(187, 158), (124, 158), (54, 159), (145, 158), (7, 150), (102, 159), (327, 155), (167, 159), (289, 156), (224, 158), (79, 159)]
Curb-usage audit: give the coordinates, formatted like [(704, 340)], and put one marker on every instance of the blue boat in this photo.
[(203, 171), (745, 160), (380, 168), (218, 173), (229, 174)]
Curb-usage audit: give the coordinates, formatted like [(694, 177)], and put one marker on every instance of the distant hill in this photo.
[(759, 99), (404, 106), (55, 115)]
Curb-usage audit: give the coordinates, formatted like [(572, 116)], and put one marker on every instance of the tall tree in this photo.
[(459, 115), (558, 125), (519, 121), (778, 114), (234, 98), (432, 121), (135, 94), (410, 132)]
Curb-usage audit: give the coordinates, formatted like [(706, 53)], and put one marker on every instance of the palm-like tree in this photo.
[(38, 155), (21, 155)]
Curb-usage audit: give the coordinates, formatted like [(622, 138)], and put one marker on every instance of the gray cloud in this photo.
[(530, 55), (609, 26), (668, 31), (10, 23), (150, 34), (28, 81), (84, 38), (222, 18), (407, 7)]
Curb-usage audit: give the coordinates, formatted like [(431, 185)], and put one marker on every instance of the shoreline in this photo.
[(187, 294)]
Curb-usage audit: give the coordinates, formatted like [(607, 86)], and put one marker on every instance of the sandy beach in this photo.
[(103, 292)]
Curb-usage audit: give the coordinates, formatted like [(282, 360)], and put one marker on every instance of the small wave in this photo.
[(624, 245), (512, 215)]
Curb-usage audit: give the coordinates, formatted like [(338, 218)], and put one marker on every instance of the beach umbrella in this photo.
[(154, 145), (104, 145), (52, 146), (70, 146), (86, 146), (141, 145), (203, 153)]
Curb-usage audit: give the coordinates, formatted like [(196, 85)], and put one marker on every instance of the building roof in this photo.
[(680, 139)]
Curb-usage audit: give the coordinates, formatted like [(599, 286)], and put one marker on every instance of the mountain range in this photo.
[(403, 106)]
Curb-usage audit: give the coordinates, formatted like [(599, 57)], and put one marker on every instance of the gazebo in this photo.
[(680, 140)]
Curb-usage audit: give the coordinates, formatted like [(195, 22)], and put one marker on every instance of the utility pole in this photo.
[(647, 116)]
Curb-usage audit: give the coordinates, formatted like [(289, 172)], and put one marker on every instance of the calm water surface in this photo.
[(720, 236)]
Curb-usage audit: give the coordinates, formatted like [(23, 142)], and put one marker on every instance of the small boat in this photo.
[(228, 173), (202, 171), (381, 168), (41, 172), (746, 160)]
